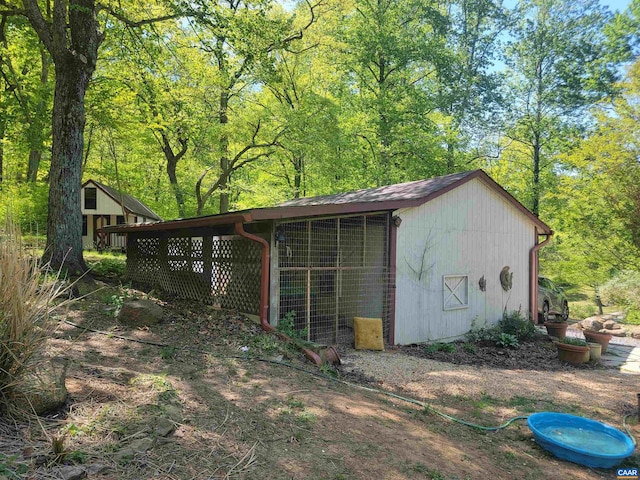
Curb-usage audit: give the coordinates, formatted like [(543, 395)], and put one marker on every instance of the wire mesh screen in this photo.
[(332, 270), (224, 270)]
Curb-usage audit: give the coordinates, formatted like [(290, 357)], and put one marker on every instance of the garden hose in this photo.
[(624, 424), (319, 374)]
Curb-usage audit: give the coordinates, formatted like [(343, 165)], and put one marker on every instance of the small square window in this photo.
[(456, 292), (90, 198), (120, 220)]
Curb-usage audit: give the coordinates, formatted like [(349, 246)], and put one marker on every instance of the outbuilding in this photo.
[(431, 258), (102, 206)]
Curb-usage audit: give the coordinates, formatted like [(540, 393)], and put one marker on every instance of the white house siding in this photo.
[(470, 230), (105, 206)]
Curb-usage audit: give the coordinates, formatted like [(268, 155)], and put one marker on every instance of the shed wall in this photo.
[(471, 231), (105, 205)]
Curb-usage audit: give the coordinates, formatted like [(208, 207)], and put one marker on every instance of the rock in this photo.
[(99, 469), (615, 326), (173, 413), (592, 323), (142, 445), (72, 472), (44, 389), (635, 333), (163, 426), (140, 313), (608, 324), (615, 333)]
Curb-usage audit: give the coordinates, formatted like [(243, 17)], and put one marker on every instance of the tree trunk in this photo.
[(536, 175), (173, 180), (64, 222), (297, 179), (172, 162), (35, 155), (3, 127), (451, 157), (224, 152), (38, 123), (72, 39)]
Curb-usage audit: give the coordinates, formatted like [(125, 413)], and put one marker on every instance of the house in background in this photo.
[(431, 258), (103, 206)]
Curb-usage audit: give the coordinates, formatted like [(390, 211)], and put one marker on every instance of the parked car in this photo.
[(551, 300)]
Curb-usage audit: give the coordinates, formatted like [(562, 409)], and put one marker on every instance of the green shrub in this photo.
[(440, 347), (514, 323), (469, 347), (108, 267), (482, 334), (12, 467), (287, 325), (632, 316), (623, 289), (27, 205), (583, 311), (507, 340)]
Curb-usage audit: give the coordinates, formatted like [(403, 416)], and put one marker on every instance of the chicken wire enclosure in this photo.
[(332, 270), (223, 270)]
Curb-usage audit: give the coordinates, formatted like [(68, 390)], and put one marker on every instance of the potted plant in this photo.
[(598, 337), (573, 350), (557, 327)]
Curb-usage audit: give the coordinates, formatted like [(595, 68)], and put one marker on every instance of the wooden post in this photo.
[(309, 280), (207, 260), (337, 279)]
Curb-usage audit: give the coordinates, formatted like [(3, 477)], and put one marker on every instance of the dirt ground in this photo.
[(205, 395)]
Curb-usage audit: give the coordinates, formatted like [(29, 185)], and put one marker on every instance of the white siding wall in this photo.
[(472, 231), (105, 206)]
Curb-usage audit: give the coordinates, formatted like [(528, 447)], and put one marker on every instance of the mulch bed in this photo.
[(538, 354)]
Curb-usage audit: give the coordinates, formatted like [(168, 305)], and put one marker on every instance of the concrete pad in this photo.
[(625, 358)]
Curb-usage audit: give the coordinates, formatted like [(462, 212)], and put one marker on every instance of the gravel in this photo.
[(431, 380)]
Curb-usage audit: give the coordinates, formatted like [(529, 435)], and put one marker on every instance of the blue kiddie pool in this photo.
[(580, 440)]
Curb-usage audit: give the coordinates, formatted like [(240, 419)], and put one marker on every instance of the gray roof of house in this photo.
[(130, 203)]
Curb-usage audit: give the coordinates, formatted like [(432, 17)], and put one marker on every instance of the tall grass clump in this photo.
[(27, 295)]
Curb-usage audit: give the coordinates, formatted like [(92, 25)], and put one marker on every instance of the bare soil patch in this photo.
[(235, 412), (539, 354)]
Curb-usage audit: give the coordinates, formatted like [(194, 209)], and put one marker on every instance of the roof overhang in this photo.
[(291, 212)]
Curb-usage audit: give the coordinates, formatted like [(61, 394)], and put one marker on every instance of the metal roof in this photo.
[(387, 198), (131, 204), (389, 193)]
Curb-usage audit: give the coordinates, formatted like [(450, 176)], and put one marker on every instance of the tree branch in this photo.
[(236, 163), (139, 23), (40, 25)]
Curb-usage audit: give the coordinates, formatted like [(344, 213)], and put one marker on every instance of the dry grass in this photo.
[(27, 297)]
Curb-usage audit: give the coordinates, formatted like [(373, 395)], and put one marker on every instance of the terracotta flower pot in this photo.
[(573, 354), (556, 329), (597, 337)]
